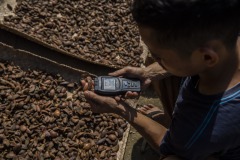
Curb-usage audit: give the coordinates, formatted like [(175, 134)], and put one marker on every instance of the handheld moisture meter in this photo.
[(107, 85)]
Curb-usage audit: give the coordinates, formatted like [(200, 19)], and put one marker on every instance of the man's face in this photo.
[(170, 59)]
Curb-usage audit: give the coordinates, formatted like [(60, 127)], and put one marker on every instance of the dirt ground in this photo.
[(135, 141)]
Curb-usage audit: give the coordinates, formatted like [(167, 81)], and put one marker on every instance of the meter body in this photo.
[(107, 85)]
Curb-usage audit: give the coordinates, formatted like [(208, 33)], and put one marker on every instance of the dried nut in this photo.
[(112, 137), (23, 128), (101, 141), (81, 144), (11, 155), (85, 87), (75, 119), (81, 123), (87, 146), (71, 85), (48, 82), (6, 142), (102, 154), (120, 132), (115, 148), (17, 148), (9, 7), (52, 93), (83, 82), (53, 134), (47, 134), (57, 113)]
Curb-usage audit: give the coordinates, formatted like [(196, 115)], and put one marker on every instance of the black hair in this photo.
[(186, 24)]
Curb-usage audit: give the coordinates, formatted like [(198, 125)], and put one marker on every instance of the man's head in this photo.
[(185, 26)]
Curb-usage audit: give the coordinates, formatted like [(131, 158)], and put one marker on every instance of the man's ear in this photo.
[(209, 56)]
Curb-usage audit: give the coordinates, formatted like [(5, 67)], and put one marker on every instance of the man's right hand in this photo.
[(146, 75), (133, 72)]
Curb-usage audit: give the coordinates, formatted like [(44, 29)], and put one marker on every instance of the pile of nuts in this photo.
[(99, 31), (42, 116)]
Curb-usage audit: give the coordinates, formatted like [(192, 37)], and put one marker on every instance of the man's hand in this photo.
[(133, 72), (146, 75), (102, 104)]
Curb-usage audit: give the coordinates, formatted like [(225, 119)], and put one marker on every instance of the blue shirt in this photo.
[(204, 125)]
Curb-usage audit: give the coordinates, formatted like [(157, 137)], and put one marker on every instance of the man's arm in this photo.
[(152, 131), (155, 71)]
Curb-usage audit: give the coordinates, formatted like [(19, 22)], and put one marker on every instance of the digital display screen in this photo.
[(109, 84)]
